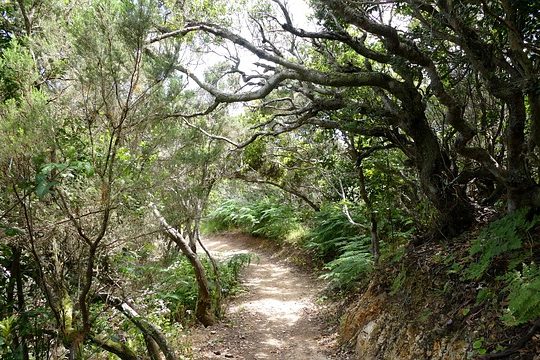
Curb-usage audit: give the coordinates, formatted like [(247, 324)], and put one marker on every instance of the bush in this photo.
[(178, 287), (170, 285), (230, 270)]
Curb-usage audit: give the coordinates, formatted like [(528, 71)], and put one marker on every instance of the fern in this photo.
[(230, 272), (351, 265), (500, 237), (266, 217), (332, 231), (342, 246), (223, 217), (524, 296)]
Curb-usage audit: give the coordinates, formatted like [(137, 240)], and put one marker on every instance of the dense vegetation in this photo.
[(363, 136)]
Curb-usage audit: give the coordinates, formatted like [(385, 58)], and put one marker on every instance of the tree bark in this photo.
[(146, 328), (534, 101), (119, 349), (204, 312), (150, 330), (521, 189), (454, 212), (294, 192), (215, 268), (152, 347), (21, 304), (375, 243)]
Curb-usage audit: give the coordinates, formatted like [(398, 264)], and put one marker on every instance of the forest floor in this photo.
[(278, 315)]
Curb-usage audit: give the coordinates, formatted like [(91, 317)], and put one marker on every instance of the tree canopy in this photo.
[(120, 121)]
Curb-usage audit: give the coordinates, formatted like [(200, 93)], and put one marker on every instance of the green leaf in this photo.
[(43, 187), (477, 344), (8, 231)]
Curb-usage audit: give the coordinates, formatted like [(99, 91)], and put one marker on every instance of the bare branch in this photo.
[(343, 37), (292, 191), (345, 209)]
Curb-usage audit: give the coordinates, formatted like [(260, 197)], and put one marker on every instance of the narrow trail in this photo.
[(275, 318)]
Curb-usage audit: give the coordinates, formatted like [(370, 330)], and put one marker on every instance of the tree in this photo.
[(360, 73), (189, 164), (73, 153)]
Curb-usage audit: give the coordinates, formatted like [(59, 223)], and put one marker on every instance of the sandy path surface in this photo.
[(275, 318)]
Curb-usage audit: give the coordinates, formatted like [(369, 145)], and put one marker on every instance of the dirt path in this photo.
[(276, 318)]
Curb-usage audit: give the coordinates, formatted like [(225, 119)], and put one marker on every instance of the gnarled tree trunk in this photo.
[(455, 214)]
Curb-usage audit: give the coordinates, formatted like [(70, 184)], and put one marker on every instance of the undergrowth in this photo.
[(502, 241), (265, 217), (504, 252), (172, 287), (341, 245)]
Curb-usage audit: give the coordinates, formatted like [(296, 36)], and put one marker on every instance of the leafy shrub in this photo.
[(230, 271), (500, 247), (6, 331), (170, 286), (178, 287)]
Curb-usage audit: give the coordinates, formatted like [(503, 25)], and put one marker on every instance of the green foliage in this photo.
[(502, 237), (229, 272), (273, 220), (523, 297), (170, 286), (219, 219), (17, 71), (254, 154), (178, 289), (265, 217), (354, 262), (500, 249), (6, 329), (341, 245), (478, 346), (484, 295), (332, 231)]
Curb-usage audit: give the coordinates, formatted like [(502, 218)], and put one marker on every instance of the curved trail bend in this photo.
[(275, 318)]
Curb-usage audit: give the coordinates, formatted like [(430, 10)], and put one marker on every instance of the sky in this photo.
[(299, 12)]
